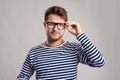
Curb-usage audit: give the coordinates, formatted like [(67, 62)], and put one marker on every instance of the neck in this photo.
[(54, 43)]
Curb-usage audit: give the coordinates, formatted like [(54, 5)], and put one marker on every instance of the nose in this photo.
[(55, 27)]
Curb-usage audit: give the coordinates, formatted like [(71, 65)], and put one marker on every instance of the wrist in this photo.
[(79, 34)]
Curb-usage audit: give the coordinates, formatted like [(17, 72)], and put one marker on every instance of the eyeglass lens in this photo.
[(59, 25)]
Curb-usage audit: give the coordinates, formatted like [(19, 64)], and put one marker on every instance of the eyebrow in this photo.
[(57, 23)]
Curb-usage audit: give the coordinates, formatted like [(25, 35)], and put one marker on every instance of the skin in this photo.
[(54, 36)]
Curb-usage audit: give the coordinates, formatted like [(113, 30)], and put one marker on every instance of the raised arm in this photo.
[(89, 54)]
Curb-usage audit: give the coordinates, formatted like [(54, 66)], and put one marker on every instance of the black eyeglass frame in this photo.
[(60, 26)]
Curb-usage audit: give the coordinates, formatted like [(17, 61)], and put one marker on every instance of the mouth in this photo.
[(55, 33)]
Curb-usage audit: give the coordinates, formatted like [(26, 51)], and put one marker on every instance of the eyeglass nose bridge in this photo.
[(55, 24)]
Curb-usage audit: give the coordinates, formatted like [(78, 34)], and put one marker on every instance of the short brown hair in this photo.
[(57, 11)]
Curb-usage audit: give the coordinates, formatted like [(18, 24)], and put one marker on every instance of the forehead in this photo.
[(55, 18)]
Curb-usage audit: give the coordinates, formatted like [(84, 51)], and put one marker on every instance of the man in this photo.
[(56, 59)]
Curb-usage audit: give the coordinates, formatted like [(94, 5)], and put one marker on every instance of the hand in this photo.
[(73, 27)]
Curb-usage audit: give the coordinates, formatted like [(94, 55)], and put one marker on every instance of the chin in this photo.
[(56, 38)]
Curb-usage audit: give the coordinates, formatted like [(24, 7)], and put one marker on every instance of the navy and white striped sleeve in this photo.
[(89, 54), (27, 70)]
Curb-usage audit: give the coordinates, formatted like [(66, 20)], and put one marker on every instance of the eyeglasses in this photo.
[(52, 25)]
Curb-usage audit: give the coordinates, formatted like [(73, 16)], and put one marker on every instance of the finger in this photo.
[(68, 24), (72, 23)]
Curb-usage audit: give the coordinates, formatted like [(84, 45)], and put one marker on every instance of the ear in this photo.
[(44, 23)]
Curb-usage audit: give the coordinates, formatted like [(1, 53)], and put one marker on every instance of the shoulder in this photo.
[(35, 49)]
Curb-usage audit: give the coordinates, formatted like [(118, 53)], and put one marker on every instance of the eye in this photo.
[(61, 24), (49, 23)]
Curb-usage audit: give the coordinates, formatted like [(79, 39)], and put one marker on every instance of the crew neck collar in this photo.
[(43, 45)]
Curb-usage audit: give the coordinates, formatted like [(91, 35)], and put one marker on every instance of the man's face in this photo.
[(54, 27)]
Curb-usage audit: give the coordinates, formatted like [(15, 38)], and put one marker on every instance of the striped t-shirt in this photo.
[(60, 62)]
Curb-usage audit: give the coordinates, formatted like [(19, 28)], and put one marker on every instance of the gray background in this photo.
[(21, 27)]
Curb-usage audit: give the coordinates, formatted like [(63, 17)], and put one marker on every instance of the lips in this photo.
[(54, 33)]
